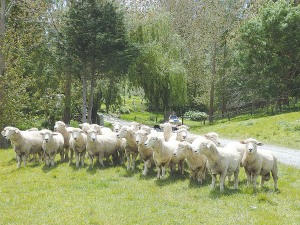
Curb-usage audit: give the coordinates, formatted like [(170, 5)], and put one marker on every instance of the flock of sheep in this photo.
[(167, 149)]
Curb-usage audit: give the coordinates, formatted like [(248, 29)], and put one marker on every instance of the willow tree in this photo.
[(203, 25), (160, 69)]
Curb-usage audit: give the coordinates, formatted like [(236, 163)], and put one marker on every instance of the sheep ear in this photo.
[(205, 135), (41, 133), (260, 144), (208, 145), (70, 131), (242, 142), (16, 131), (55, 134)]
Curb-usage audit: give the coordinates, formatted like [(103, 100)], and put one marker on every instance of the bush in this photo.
[(124, 110), (195, 115)]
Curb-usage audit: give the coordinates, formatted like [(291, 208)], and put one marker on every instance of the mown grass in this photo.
[(65, 194), (280, 130)]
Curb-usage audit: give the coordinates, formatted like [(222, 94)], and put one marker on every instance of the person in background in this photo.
[(173, 119)]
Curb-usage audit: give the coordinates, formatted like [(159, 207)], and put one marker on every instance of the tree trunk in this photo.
[(67, 111), (91, 96), (212, 86), (84, 97), (3, 141)]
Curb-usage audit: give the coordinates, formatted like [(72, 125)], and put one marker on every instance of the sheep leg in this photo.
[(67, 152), (222, 181), (248, 174), (213, 181), (134, 156), (254, 179), (91, 160), (128, 160), (200, 176), (163, 172), (275, 176), (236, 177), (77, 158), (146, 166), (71, 155), (181, 167), (40, 157), (82, 158), (262, 181), (158, 172), (52, 159), (101, 156), (24, 158), (18, 161), (47, 159), (192, 174)]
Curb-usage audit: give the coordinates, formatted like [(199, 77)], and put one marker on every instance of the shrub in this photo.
[(195, 115)]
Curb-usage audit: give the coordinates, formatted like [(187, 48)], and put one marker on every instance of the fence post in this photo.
[(181, 120), (204, 120), (228, 117), (156, 119)]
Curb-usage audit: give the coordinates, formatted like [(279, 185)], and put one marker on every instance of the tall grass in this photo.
[(65, 194)]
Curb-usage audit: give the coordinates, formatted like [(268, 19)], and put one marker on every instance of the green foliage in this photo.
[(269, 51), (160, 69)]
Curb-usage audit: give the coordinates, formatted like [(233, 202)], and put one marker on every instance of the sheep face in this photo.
[(91, 134), (214, 137), (124, 132), (151, 142), (147, 129), (75, 133), (9, 131), (85, 126), (48, 136), (182, 134), (59, 125), (203, 147), (117, 127), (251, 145), (181, 150), (141, 137), (135, 126)]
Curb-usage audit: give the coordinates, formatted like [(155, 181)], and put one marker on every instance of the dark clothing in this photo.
[(173, 117)]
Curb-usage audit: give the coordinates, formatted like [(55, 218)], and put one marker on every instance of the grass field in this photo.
[(65, 194)]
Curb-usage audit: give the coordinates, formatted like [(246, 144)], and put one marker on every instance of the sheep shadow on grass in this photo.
[(170, 179)]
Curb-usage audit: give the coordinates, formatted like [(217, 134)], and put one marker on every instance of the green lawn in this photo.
[(66, 195)]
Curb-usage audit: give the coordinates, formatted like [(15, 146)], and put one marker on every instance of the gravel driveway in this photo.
[(284, 155)]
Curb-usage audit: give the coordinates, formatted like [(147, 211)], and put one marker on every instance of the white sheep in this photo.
[(135, 126), (53, 144), (102, 146), (168, 130), (184, 135), (220, 161), (196, 162), (214, 137), (117, 127), (163, 154), (24, 143), (131, 148), (259, 162), (101, 129), (77, 145), (62, 128), (146, 154)]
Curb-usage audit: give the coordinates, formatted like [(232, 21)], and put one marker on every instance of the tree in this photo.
[(269, 51), (203, 24), (160, 68), (95, 34)]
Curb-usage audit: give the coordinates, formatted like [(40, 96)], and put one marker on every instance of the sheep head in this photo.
[(251, 145)]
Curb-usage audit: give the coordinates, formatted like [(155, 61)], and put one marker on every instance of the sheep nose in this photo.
[(118, 136), (174, 154), (137, 142), (75, 138), (250, 149), (183, 137)]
